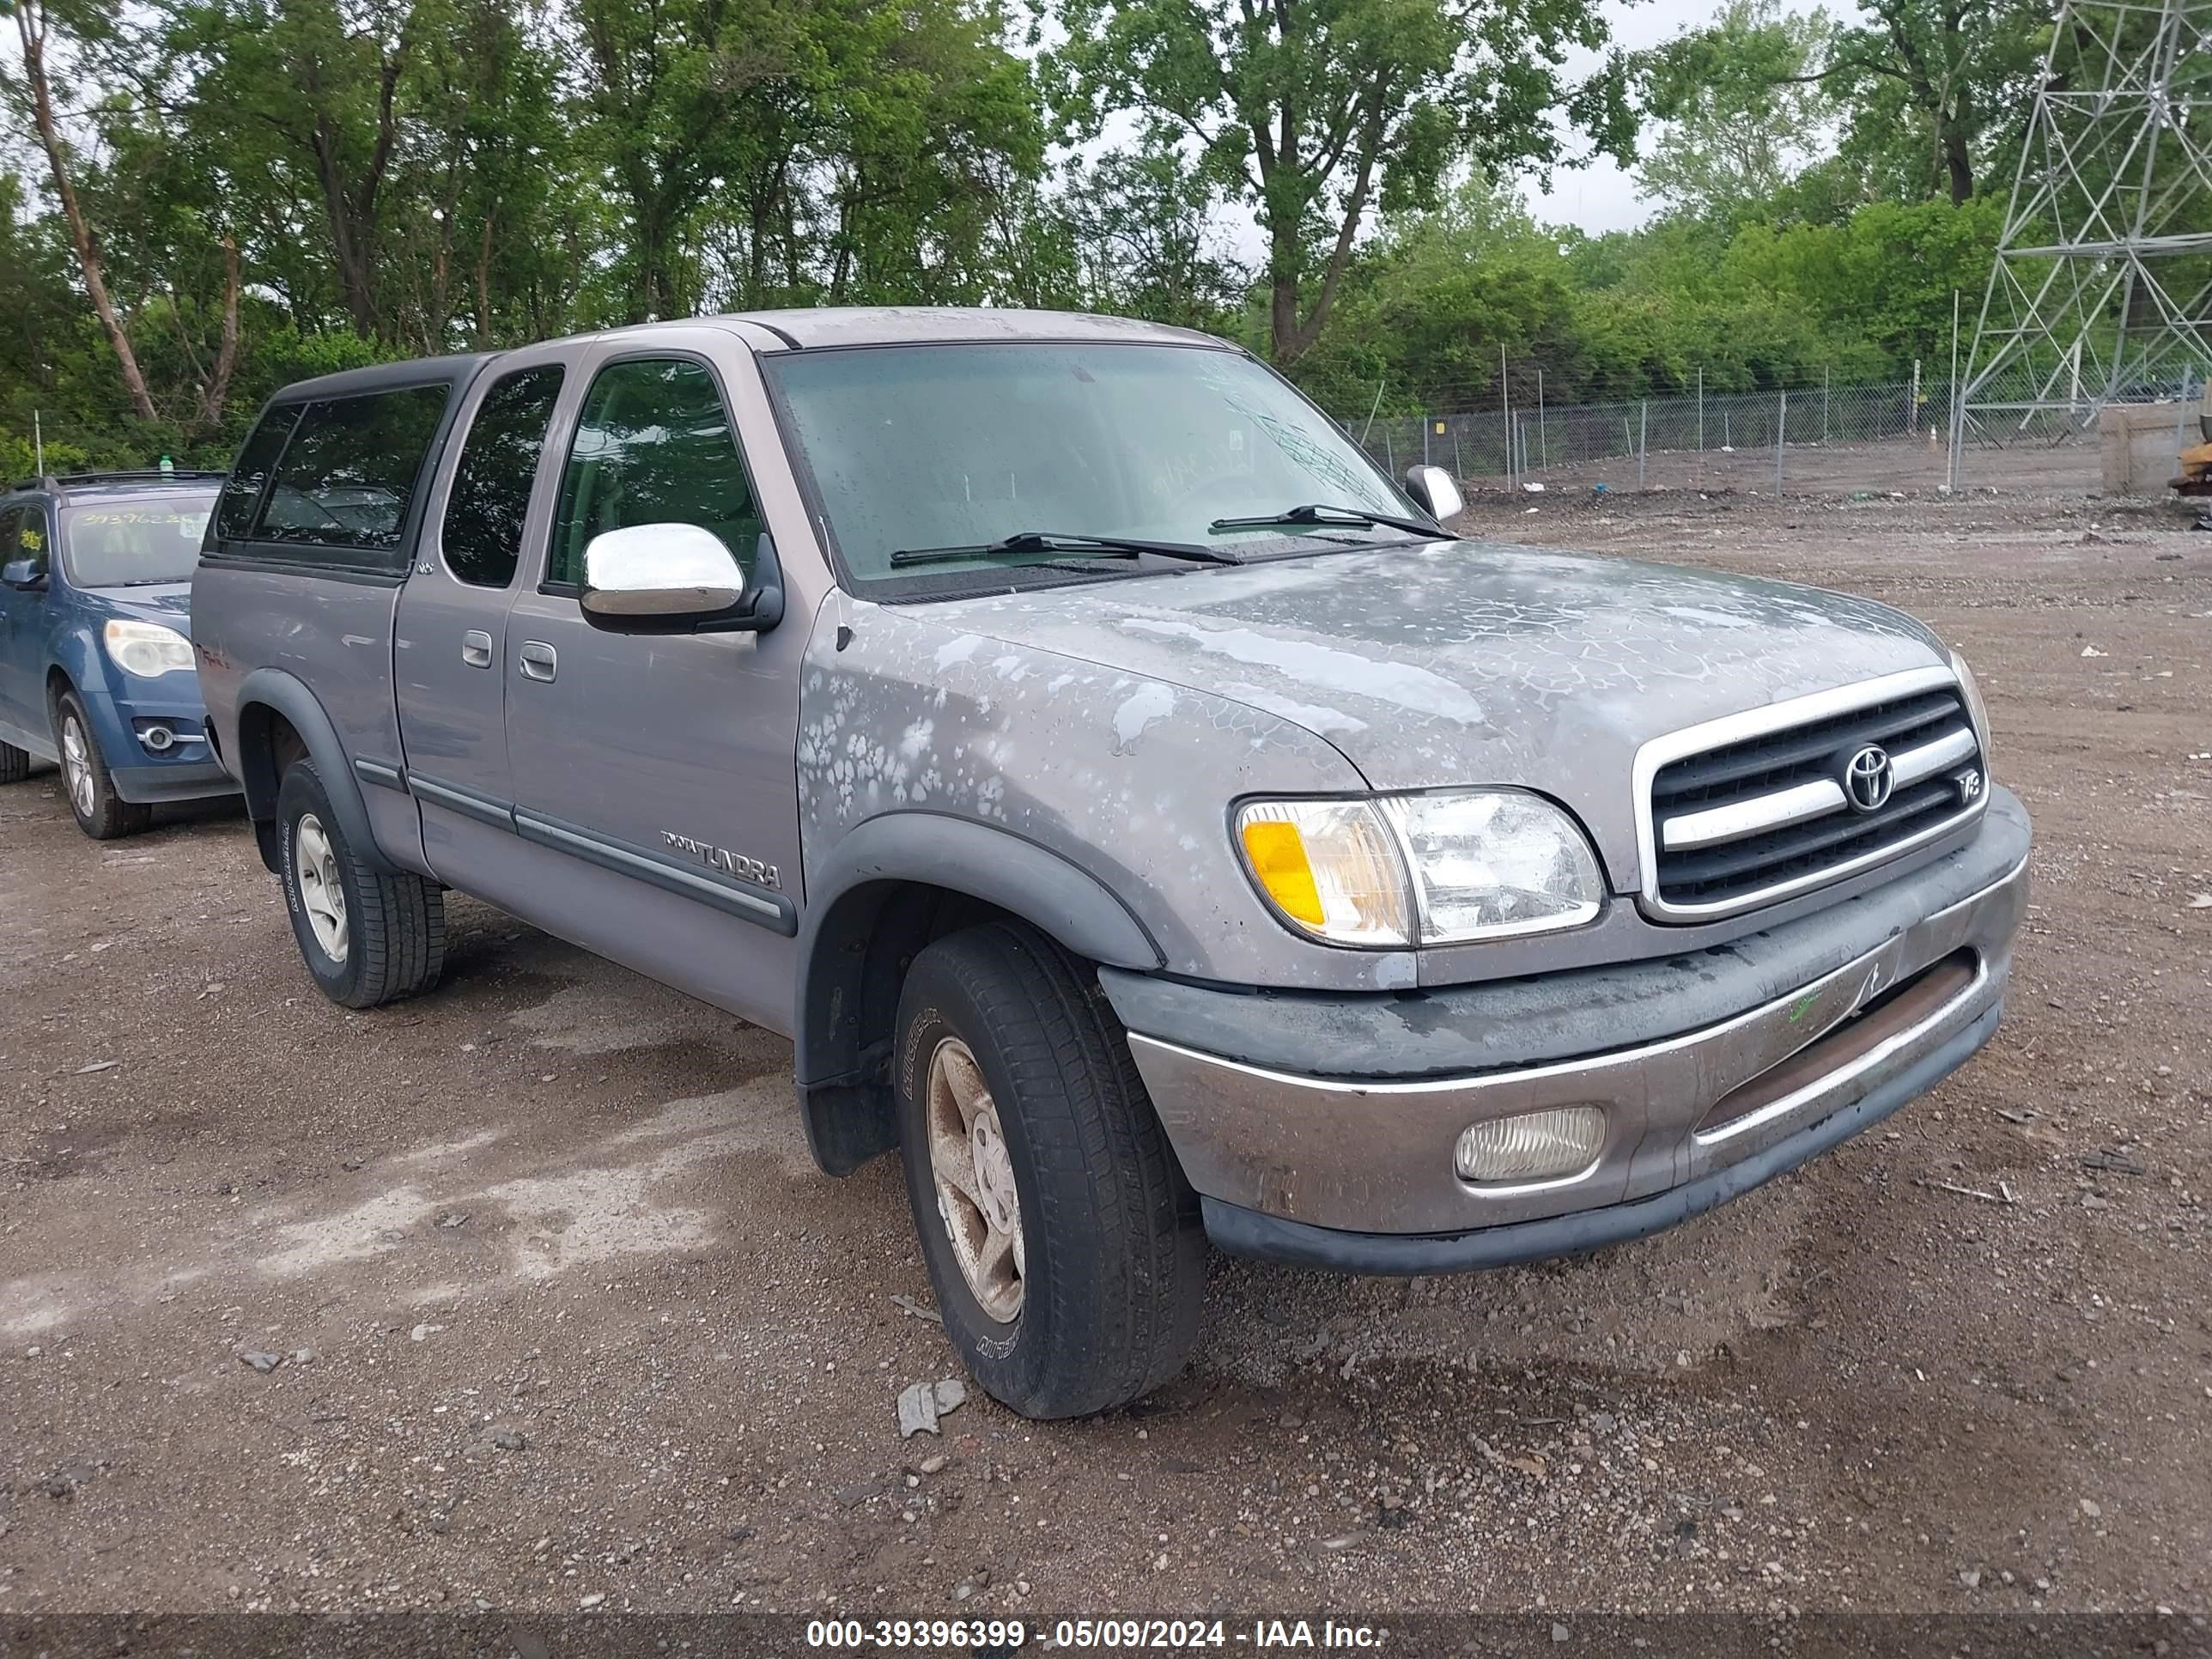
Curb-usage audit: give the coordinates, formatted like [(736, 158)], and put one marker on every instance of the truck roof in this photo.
[(798, 329), (851, 326), (456, 370)]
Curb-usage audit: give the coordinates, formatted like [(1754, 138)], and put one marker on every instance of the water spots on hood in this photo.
[(1707, 616), (959, 650), (1138, 710), (1418, 690), (1312, 716)]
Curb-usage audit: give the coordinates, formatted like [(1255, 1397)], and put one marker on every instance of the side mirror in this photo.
[(25, 576), (677, 578), (1435, 490)]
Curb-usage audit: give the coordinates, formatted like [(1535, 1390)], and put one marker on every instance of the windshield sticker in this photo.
[(184, 523)]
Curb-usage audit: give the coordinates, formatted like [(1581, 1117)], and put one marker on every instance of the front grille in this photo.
[(1768, 815)]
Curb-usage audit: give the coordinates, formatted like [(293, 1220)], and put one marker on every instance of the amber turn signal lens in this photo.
[(1277, 853)]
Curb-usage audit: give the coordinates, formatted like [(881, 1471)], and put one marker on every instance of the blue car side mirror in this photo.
[(23, 574)]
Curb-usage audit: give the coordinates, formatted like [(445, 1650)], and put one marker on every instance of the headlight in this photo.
[(1435, 869), (1976, 710), (147, 649)]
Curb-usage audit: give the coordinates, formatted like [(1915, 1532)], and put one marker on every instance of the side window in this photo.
[(654, 446), (491, 482), (241, 491), (11, 534), (352, 466), (29, 538)]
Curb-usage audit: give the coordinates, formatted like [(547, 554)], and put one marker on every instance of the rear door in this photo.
[(23, 616), (450, 648), (662, 768)]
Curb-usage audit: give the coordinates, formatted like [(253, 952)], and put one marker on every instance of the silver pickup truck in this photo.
[(1139, 811)]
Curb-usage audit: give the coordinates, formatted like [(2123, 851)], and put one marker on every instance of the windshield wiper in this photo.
[(1054, 541), (1322, 514)]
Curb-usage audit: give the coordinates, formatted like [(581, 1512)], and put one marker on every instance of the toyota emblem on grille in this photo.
[(1868, 779)]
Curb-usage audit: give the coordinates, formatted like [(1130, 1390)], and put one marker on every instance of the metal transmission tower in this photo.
[(2102, 287)]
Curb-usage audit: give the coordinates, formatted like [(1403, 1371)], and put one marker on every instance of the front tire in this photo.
[(1061, 1239), (367, 937), (99, 811)]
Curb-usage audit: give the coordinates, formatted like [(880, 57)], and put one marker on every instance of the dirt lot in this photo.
[(567, 1313)]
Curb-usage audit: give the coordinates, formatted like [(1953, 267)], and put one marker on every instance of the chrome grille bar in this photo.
[(1719, 824), (1752, 809)]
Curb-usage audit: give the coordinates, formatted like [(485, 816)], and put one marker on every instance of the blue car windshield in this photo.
[(134, 543), (936, 446)]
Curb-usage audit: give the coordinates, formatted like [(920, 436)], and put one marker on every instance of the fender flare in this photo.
[(77, 659), (841, 1087), (285, 695)]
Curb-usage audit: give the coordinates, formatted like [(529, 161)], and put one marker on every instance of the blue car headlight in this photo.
[(146, 649)]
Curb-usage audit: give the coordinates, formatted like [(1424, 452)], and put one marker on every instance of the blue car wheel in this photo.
[(100, 812)]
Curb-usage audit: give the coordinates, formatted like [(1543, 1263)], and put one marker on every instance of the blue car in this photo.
[(95, 658)]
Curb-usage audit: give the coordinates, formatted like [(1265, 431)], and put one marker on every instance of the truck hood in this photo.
[(1474, 663)]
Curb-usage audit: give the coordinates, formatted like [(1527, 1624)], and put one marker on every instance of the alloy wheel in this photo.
[(76, 767), (976, 1193), (322, 894)]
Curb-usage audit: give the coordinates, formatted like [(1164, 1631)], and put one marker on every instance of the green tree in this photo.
[(1934, 85), (1740, 113), (1315, 112), (33, 89), (1146, 241)]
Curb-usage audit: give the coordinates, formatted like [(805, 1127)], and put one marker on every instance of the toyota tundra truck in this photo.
[(1141, 812)]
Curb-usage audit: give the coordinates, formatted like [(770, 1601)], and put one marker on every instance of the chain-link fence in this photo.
[(1820, 437)]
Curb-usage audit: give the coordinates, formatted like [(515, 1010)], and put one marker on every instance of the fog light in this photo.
[(159, 738), (1534, 1147)]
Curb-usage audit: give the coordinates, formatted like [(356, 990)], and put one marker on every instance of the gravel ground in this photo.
[(566, 1318)]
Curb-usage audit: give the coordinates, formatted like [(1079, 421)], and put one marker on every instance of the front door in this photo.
[(449, 643), (662, 765)]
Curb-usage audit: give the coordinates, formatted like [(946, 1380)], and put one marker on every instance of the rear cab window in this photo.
[(330, 483)]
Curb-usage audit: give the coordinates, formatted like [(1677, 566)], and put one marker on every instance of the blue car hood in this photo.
[(169, 603)]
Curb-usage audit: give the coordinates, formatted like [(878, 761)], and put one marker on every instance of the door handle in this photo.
[(475, 648), (539, 660)]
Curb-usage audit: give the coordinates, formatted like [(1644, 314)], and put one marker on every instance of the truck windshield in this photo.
[(136, 543), (961, 445)]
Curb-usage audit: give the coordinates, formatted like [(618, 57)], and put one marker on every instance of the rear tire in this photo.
[(15, 763), (367, 937), (1009, 1048), (99, 811)]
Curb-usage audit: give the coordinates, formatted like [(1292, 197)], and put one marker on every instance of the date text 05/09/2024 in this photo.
[(1116, 1634)]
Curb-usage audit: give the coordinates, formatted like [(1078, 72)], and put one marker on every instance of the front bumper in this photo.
[(1716, 1072), (187, 770), (168, 780)]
